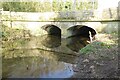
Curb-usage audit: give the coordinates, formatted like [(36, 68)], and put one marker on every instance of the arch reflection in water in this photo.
[(77, 42), (50, 41)]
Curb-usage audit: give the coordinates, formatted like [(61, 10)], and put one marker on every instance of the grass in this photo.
[(93, 47), (104, 41)]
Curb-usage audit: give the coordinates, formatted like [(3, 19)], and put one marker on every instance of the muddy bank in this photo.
[(99, 61), (91, 66)]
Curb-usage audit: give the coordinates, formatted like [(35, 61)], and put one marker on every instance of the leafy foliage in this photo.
[(20, 6), (46, 6)]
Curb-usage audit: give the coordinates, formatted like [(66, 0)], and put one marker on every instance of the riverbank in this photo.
[(98, 59)]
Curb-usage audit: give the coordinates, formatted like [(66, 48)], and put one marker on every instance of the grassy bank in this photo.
[(104, 41)]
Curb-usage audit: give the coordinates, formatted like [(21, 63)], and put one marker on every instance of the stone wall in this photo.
[(34, 21)]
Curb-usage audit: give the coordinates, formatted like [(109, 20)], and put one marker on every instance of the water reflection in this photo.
[(77, 42), (27, 58), (50, 41), (43, 65)]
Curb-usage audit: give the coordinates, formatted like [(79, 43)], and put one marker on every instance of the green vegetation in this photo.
[(46, 6), (13, 34), (22, 6), (94, 47), (100, 45), (86, 5)]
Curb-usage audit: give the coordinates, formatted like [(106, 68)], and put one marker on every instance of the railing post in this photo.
[(10, 20)]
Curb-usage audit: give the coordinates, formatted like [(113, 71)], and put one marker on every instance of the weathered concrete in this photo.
[(35, 27)]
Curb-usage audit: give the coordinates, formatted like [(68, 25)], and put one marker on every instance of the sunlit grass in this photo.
[(103, 41)]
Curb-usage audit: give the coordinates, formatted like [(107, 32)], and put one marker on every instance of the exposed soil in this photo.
[(100, 63)]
